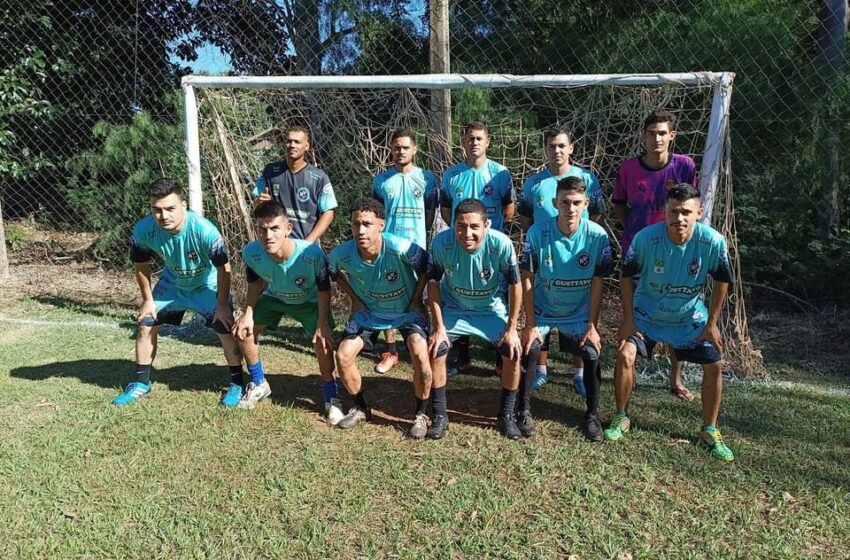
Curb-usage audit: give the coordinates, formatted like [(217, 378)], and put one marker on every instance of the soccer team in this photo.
[(468, 283)]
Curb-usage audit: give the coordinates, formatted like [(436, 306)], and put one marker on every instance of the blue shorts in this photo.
[(354, 329), (702, 352), (172, 303), (485, 325)]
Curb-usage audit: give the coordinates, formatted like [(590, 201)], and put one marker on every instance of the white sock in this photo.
[(578, 373), (543, 370)]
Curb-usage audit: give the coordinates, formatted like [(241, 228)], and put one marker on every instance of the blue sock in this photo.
[(257, 373), (330, 390), (710, 428)]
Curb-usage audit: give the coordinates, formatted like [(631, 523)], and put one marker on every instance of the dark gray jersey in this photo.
[(306, 195)]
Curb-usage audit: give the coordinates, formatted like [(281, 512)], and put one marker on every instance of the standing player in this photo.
[(285, 277), (384, 276), (409, 196), (463, 294), (482, 179), (671, 261), (195, 276), (640, 195), (302, 188), (536, 205), (563, 264)]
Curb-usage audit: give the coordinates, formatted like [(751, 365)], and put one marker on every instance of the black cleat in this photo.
[(507, 425), (525, 423), (438, 427), (592, 428)]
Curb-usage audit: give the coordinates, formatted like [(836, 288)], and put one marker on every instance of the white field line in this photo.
[(60, 323)]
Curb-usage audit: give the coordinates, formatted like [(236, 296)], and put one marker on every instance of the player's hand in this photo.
[(712, 334), (591, 335), (418, 307), (627, 329), (147, 309), (224, 315), (325, 336), (511, 338), (244, 327), (264, 196), (529, 335), (437, 338)]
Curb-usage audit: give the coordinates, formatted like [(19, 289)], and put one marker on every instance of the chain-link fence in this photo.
[(91, 113)]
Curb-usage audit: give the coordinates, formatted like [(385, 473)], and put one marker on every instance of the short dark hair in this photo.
[(660, 116), (367, 205), (471, 206), (682, 192), (554, 131), (469, 127), (296, 128), (164, 187), (571, 185), (269, 210), (403, 133)]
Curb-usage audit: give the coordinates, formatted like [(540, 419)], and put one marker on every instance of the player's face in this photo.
[(296, 145), (476, 142), (169, 212), (272, 233), (559, 149), (366, 228), (403, 151), (681, 216), (570, 206), (657, 138), (470, 228)]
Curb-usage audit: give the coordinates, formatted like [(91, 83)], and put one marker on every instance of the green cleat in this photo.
[(712, 442), (620, 426)]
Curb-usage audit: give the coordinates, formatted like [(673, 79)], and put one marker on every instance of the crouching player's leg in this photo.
[(415, 334), (587, 347), (355, 339), (532, 349)]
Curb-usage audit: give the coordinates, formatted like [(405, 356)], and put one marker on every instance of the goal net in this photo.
[(234, 126)]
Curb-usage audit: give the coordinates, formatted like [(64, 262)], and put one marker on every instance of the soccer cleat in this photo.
[(592, 428), (438, 427), (456, 368), (540, 379), (620, 426), (508, 426), (333, 412), (355, 416), (254, 393), (420, 427), (232, 396), (388, 361), (134, 390), (713, 443), (526, 423), (578, 385)]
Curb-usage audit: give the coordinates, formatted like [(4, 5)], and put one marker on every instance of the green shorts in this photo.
[(269, 311)]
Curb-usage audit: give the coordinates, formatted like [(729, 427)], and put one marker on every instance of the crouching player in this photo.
[(384, 276), (195, 276), (564, 261), (672, 260), (468, 261), (285, 277)]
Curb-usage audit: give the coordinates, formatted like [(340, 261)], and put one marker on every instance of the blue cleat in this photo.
[(540, 379), (232, 396), (578, 385), (134, 390)]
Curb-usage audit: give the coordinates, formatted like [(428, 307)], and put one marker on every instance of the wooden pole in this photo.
[(4, 257), (441, 100)]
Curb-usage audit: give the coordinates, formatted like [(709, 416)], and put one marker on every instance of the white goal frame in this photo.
[(713, 152)]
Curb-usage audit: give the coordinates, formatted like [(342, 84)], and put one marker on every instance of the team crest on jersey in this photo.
[(693, 267), (547, 259), (670, 183), (192, 255), (299, 281), (488, 190), (641, 187), (458, 192), (417, 192), (303, 195), (583, 260), (391, 276), (485, 274), (540, 201), (449, 269), (659, 267)]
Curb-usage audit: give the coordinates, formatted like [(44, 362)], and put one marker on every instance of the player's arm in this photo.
[(711, 332), (508, 212), (525, 222), (420, 260), (508, 197), (221, 261), (446, 202), (591, 335), (438, 334), (510, 336), (262, 191), (322, 225), (256, 286), (323, 332), (620, 210), (620, 197), (356, 304), (141, 257), (530, 333)]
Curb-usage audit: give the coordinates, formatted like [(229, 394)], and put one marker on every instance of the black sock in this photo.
[(591, 385), (236, 375), (391, 348), (526, 381), (143, 373), (508, 402), (359, 401), (438, 401), (421, 406)]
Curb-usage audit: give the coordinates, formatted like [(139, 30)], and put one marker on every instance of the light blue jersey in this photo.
[(406, 197), (293, 281), (535, 200), (668, 297), (385, 286), (470, 281), (190, 257), (564, 268), (490, 183)]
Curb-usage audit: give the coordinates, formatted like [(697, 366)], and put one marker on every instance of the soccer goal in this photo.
[(234, 126)]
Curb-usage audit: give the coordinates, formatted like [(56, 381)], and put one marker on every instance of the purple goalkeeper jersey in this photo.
[(644, 191)]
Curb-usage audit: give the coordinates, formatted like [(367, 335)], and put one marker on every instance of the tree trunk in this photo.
[(4, 257)]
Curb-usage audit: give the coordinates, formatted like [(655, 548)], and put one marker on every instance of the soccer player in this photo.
[(384, 276), (302, 188), (640, 195), (463, 295), (536, 205), (564, 262), (483, 179), (671, 261), (285, 277), (409, 196), (195, 276)]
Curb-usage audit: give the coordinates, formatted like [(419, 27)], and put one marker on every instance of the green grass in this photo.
[(177, 476)]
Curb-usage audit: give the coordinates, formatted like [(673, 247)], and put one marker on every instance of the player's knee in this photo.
[(589, 353), (628, 354), (146, 321), (345, 354), (219, 327)]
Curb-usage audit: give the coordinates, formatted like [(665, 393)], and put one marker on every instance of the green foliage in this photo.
[(16, 236)]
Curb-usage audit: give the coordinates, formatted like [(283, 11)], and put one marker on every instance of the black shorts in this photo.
[(703, 353), (370, 336)]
